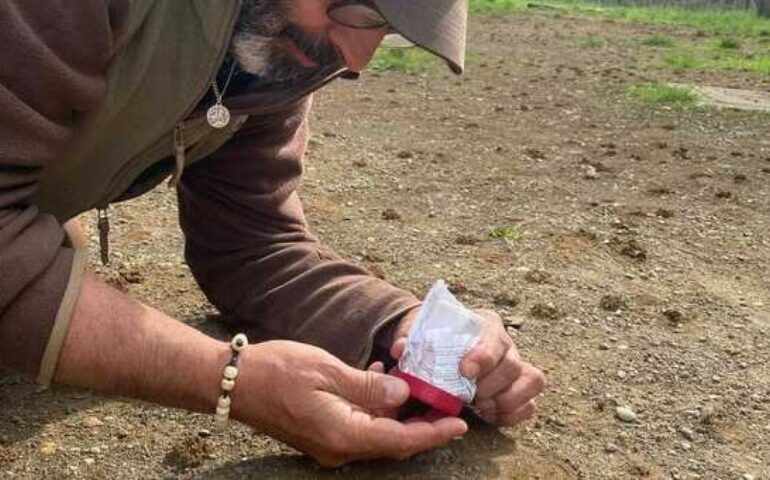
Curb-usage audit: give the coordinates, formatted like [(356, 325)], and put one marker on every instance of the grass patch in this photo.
[(658, 41), (496, 6), (684, 61), (662, 94), (592, 42), (723, 22), (715, 56), (729, 43), (511, 235), (404, 60), (722, 39)]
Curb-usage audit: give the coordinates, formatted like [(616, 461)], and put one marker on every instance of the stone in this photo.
[(92, 422), (687, 433), (47, 448), (625, 414)]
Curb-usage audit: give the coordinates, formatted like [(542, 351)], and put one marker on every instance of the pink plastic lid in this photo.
[(437, 398)]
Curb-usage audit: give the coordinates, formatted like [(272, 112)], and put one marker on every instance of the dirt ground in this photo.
[(635, 273)]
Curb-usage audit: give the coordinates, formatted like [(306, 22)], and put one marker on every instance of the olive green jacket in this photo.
[(101, 100)]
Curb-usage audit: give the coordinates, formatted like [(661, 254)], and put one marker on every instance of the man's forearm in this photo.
[(118, 346)]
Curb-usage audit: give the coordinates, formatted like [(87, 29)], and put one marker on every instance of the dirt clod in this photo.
[(457, 286), (613, 302), (664, 213), (506, 299), (190, 452), (467, 240), (725, 194), (632, 249), (674, 316), (537, 276), (534, 153), (391, 214), (545, 311)]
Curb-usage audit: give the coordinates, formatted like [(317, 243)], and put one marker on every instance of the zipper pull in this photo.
[(179, 155), (103, 225)]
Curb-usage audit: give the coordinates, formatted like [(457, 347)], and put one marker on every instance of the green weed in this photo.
[(404, 60), (729, 43), (592, 42), (658, 41), (683, 61), (510, 234), (663, 94)]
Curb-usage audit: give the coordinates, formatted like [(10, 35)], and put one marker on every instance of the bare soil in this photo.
[(636, 275)]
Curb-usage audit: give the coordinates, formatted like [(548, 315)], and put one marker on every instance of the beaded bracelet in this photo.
[(222, 418)]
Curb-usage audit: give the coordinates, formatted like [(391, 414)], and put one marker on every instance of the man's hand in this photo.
[(312, 401), (507, 385)]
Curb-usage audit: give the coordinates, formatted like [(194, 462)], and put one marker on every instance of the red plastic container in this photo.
[(430, 395)]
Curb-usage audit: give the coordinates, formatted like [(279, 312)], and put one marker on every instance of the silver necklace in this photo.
[(218, 115)]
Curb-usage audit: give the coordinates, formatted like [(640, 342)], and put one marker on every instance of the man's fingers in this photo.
[(524, 412), (370, 389), (489, 350), (397, 349), (383, 437), (377, 367), (501, 377), (530, 384)]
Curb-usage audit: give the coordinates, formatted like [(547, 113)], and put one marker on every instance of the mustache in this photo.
[(317, 48), (257, 43)]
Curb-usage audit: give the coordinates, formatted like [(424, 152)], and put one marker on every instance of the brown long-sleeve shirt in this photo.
[(247, 241)]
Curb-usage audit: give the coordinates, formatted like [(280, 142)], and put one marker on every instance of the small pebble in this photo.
[(89, 461), (625, 414), (92, 422), (610, 448), (687, 433)]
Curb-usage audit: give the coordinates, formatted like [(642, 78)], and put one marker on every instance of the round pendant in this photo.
[(218, 116)]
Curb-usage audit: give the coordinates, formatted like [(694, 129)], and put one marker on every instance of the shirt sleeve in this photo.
[(249, 247), (51, 68)]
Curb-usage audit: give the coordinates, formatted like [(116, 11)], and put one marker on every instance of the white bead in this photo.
[(224, 402), (239, 342), (227, 384), (221, 422), (230, 372), (223, 411)]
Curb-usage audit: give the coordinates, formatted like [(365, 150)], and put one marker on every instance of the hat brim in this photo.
[(438, 26)]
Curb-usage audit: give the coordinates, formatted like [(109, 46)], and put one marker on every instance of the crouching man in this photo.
[(104, 99)]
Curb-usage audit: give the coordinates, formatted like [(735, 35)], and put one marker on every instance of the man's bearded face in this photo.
[(269, 44)]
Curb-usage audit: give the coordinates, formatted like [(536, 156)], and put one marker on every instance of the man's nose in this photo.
[(357, 46)]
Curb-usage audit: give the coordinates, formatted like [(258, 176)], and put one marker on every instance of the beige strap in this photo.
[(63, 317)]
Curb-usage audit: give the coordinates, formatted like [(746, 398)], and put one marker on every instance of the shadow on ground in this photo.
[(484, 453)]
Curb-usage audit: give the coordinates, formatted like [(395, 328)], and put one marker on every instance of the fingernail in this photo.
[(472, 371), (396, 390)]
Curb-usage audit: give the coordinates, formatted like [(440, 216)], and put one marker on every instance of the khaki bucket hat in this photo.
[(438, 26)]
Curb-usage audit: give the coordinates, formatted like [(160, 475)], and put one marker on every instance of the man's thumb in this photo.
[(374, 390)]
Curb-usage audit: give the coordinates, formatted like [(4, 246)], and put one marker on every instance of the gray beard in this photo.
[(254, 41), (258, 48)]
